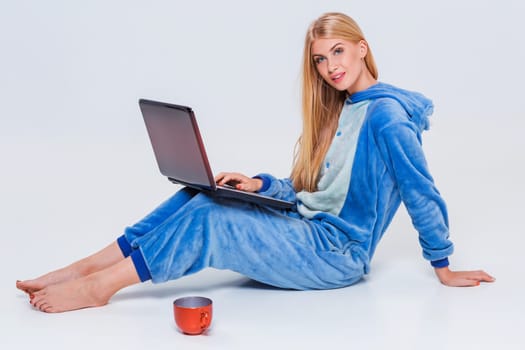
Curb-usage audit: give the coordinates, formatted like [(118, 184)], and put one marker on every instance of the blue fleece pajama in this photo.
[(375, 161)]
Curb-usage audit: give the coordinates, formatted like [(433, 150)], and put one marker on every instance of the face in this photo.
[(341, 64)]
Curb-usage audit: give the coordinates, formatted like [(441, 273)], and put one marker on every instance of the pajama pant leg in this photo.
[(271, 246), (154, 219), (151, 221), (160, 214)]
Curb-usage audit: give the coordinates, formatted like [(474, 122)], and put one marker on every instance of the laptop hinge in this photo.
[(188, 184)]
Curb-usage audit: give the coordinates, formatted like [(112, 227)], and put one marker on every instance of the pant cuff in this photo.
[(140, 265), (124, 246)]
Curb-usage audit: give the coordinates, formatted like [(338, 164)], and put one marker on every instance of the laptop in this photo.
[(180, 153)]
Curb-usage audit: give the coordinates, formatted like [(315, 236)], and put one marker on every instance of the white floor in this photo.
[(72, 208)]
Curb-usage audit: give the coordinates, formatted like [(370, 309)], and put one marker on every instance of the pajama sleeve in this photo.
[(277, 188), (400, 146)]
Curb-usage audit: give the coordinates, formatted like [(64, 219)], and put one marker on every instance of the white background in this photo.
[(77, 167)]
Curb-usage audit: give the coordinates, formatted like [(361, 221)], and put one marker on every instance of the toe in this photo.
[(38, 298), (45, 307)]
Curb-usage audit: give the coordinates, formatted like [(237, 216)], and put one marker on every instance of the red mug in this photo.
[(193, 314)]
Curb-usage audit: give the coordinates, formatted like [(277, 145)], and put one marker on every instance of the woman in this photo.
[(359, 156)]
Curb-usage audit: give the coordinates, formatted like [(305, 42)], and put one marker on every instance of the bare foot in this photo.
[(61, 275), (92, 290), (96, 262), (70, 295)]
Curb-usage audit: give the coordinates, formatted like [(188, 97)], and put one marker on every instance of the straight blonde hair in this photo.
[(321, 103)]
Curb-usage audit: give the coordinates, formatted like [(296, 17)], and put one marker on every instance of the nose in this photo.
[(332, 67)]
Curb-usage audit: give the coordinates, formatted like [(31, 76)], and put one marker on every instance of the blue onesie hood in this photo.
[(418, 107)]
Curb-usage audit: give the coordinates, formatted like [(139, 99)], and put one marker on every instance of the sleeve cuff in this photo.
[(266, 183), (440, 263)]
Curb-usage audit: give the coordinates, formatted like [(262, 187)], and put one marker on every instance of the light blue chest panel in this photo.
[(336, 171)]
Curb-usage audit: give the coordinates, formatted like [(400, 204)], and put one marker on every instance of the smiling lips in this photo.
[(336, 78)]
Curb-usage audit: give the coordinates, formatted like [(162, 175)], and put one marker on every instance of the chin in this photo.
[(340, 88)]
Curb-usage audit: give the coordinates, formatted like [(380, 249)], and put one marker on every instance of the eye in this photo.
[(319, 59), (338, 51)]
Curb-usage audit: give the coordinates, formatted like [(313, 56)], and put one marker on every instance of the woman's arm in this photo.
[(265, 184), (462, 278), (401, 147), (239, 181)]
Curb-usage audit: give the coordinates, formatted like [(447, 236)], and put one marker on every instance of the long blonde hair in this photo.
[(321, 103)]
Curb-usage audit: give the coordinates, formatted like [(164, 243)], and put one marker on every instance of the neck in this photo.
[(364, 82)]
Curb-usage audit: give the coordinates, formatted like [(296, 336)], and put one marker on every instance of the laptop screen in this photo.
[(177, 143)]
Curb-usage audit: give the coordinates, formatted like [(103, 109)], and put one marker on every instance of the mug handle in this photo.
[(205, 319)]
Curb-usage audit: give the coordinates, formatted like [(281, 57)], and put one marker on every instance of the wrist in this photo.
[(258, 183), (264, 183), (443, 273)]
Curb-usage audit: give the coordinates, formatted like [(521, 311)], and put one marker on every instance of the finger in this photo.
[(478, 276), (486, 277), (464, 283), (469, 283), (244, 187), (223, 178), (483, 277), (219, 176), (489, 278), (231, 180), (235, 180)]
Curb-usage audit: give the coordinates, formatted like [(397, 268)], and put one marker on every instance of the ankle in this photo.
[(81, 269), (96, 289)]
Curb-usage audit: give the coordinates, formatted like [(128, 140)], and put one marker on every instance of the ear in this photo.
[(363, 48)]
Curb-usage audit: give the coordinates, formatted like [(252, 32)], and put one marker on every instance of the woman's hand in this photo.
[(239, 181), (462, 278)]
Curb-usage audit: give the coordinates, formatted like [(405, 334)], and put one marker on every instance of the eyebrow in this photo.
[(331, 49)]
